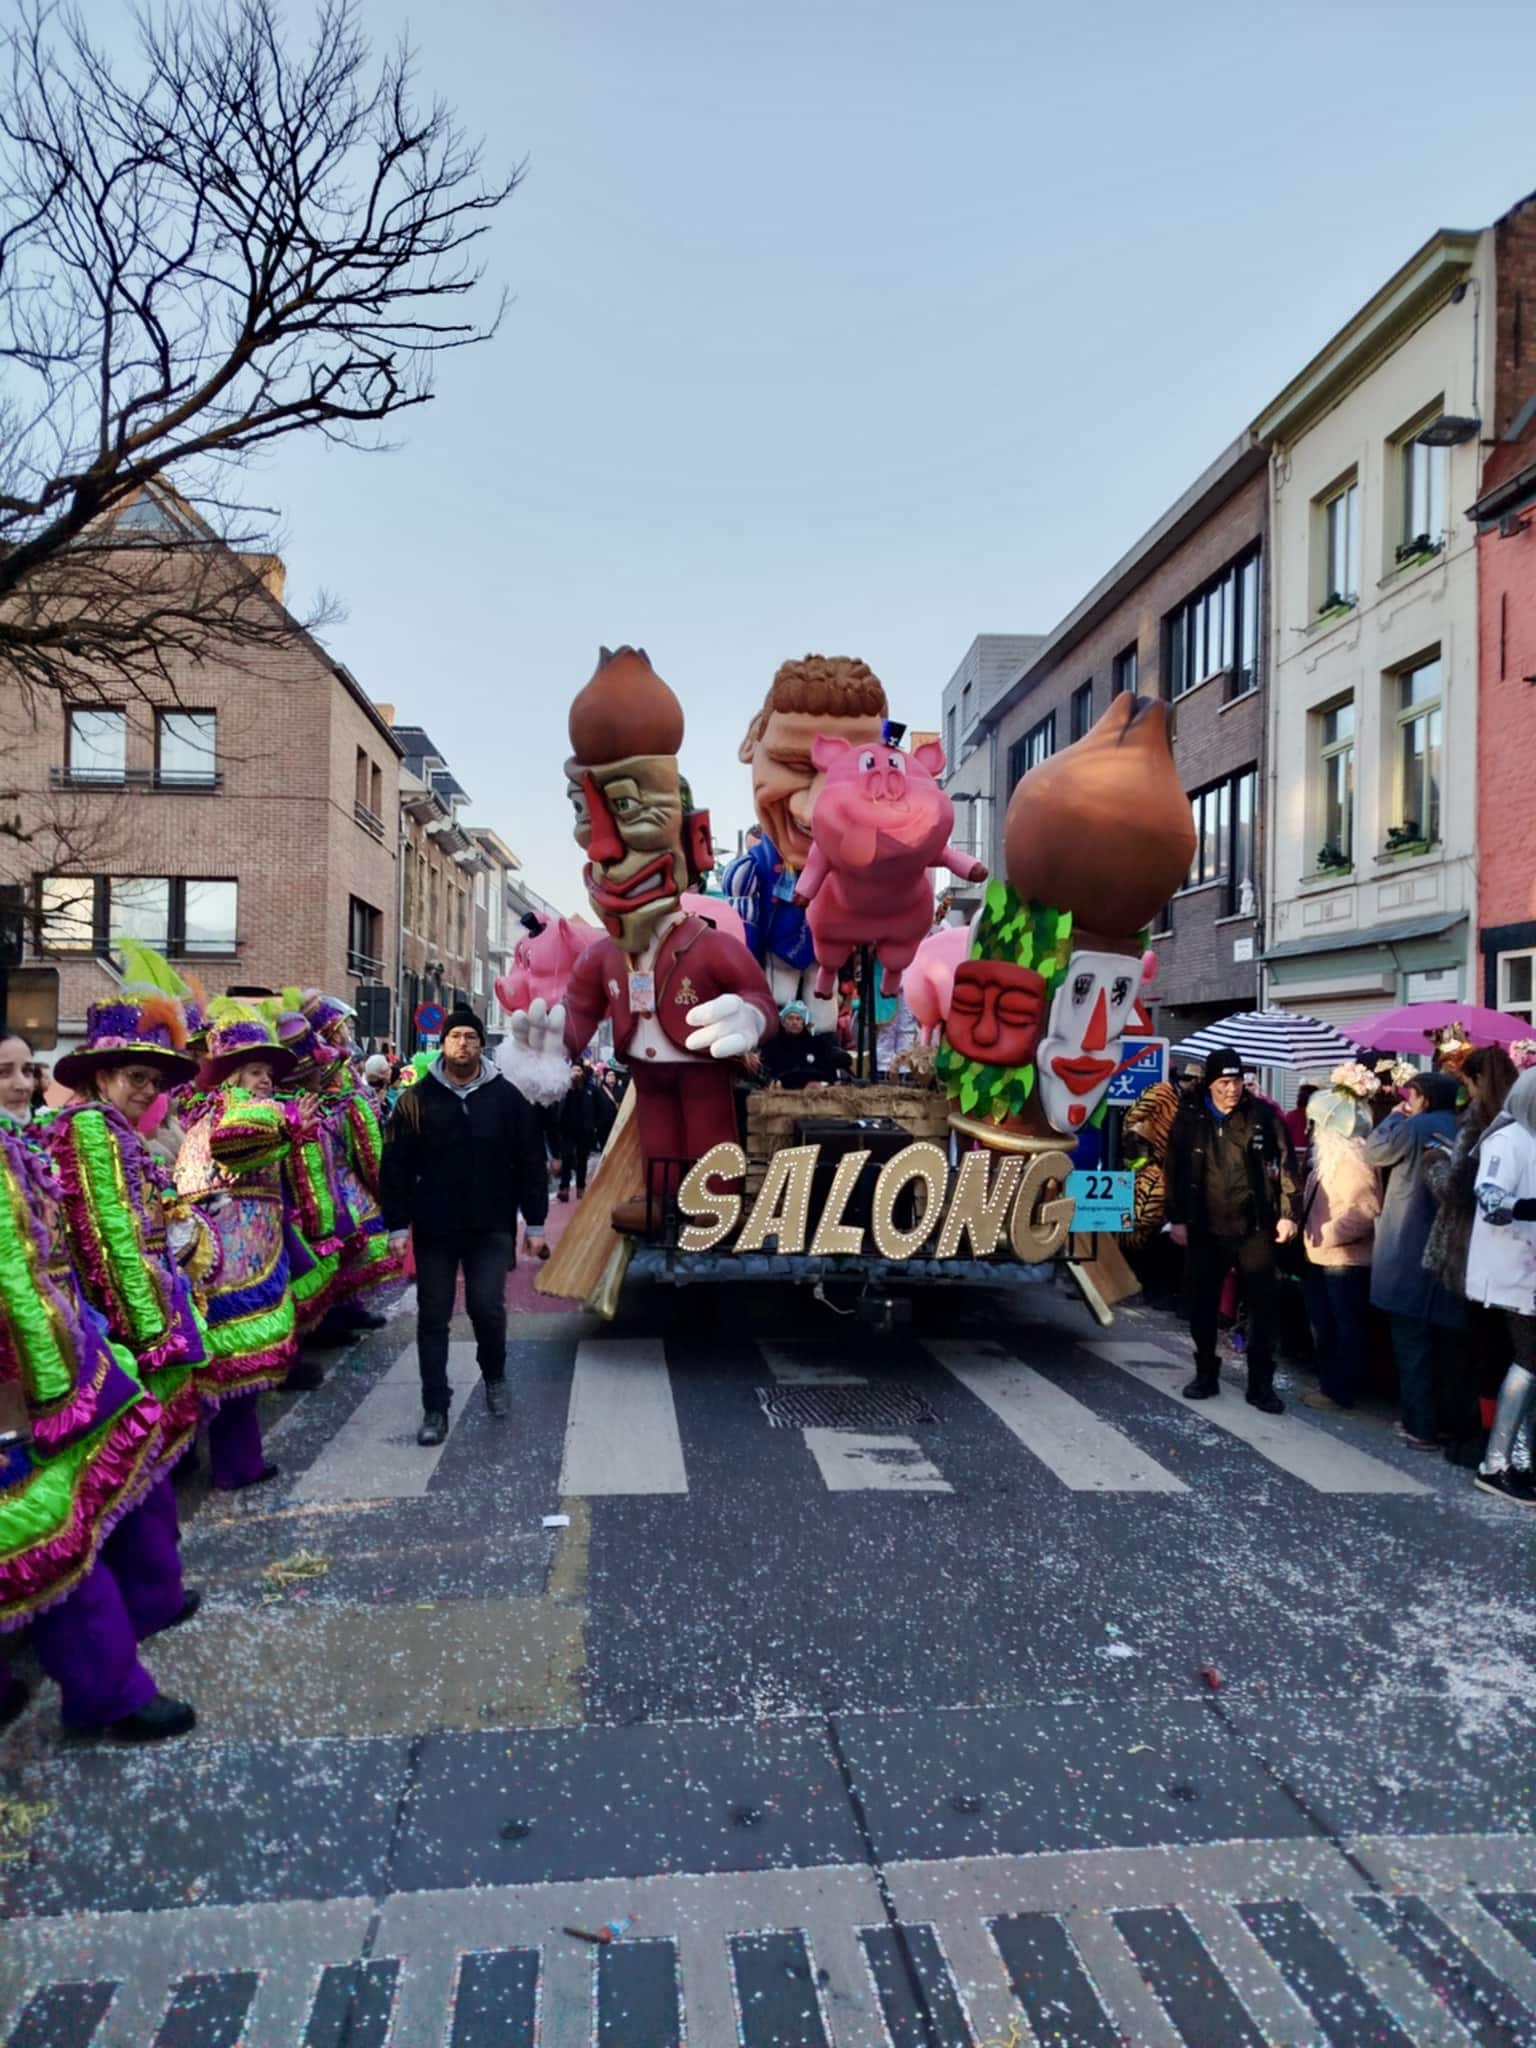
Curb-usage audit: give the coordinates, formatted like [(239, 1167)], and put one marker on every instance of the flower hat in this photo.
[(238, 1033), (144, 1024)]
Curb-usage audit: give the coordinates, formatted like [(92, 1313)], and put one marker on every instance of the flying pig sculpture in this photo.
[(880, 824), (542, 963)]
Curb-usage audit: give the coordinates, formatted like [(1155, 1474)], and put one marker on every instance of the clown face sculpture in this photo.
[(643, 840), (1081, 1048)]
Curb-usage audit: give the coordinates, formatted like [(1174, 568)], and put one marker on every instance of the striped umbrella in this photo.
[(1272, 1038)]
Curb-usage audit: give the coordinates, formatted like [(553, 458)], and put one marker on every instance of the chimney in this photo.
[(386, 712)]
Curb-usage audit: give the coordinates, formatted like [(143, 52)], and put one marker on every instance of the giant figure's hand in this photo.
[(725, 1028), (539, 1029)]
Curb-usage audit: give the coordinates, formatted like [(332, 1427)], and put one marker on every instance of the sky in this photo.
[(861, 327)]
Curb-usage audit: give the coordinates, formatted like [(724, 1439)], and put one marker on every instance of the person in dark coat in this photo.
[(1230, 1201), (800, 1057), (1424, 1314), (465, 1154), (578, 1130)]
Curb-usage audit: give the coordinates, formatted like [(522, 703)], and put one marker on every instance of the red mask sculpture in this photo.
[(995, 1012)]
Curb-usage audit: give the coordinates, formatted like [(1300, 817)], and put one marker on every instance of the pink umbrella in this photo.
[(1411, 1027)]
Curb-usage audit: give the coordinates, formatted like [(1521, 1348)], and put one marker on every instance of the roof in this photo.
[(495, 845), (1403, 302), (1374, 935), (1233, 468)]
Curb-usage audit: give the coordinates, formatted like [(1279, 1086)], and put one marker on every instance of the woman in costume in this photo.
[(355, 1147), (97, 1338), (230, 1170)]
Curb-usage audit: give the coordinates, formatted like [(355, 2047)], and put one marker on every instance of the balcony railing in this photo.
[(198, 780), (368, 819), (363, 965)]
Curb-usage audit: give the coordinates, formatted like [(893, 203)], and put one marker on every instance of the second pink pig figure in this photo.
[(881, 822)]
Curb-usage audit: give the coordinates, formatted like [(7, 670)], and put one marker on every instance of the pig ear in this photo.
[(827, 749), (930, 755)]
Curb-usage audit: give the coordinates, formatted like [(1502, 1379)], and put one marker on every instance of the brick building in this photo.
[(1180, 616), (1505, 516), (496, 929), (440, 860), (237, 818)]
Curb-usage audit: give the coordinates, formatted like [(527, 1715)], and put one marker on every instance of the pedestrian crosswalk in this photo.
[(1231, 1945), (1100, 1417)]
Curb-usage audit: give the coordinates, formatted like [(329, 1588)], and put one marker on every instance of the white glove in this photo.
[(725, 1028), (532, 1055), (538, 1029)]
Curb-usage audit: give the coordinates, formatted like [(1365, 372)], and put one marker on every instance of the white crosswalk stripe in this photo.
[(1085, 1453), (1302, 1449), (850, 1462), (621, 1434), (374, 1455), (1016, 1943)]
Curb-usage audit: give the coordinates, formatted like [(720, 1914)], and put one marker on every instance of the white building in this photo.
[(1372, 839), (992, 663)]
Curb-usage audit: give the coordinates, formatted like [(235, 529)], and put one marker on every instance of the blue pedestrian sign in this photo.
[(1145, 1065), (1105, 1201)]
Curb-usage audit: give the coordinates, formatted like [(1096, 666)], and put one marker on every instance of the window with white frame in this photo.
[(1423, 473), (1340, 516), (1517, 984), (1417, 729), (1334, 727), (186, 749), (97, 742)]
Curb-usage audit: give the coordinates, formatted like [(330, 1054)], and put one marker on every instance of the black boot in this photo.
[(1205, 1385), (161, 1721), (1264, 1398)]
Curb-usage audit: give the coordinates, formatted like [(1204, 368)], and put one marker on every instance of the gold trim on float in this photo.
[(999, 1139)]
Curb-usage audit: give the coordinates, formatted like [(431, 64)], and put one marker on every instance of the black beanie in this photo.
[(462, 1017), (1221, 1065)]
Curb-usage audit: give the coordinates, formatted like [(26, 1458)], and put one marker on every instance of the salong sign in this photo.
[(990, 1200)]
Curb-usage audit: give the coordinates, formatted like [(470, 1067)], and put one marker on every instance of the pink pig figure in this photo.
[(542, 963), (929, 982), (880, 823)]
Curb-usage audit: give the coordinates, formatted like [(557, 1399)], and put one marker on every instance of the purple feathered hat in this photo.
[(131, 1031), (236, 1037)]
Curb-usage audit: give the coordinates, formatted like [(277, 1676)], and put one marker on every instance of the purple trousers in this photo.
[(89, 1643), (235, 1450)]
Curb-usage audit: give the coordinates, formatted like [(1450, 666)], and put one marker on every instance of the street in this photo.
[(1031, 1704)]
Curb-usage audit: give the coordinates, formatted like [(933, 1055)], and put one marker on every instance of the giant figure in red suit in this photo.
[(686, 1000)]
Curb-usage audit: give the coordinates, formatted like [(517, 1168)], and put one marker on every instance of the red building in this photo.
[(1506, 718)]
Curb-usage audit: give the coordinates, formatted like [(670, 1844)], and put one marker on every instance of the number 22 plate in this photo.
[(1105, 1201)]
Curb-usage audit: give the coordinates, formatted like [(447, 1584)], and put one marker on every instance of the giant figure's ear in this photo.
[(827, 749), (698, 844), (755, 732), (930, 755)]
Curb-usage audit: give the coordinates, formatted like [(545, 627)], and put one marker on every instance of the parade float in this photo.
[(988, 1157)]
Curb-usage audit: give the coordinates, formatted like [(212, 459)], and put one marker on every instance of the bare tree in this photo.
[(226, 244)]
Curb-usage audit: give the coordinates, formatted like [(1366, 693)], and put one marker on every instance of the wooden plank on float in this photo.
[(576, 1263)]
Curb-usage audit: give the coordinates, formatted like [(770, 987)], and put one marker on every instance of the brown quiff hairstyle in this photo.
[(826, 686)]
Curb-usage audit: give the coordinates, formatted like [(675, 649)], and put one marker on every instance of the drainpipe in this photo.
[(1268, 870)]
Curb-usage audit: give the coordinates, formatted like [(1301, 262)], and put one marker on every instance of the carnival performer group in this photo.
[(206, 1198)]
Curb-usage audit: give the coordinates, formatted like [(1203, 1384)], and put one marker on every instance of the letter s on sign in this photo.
[(1038, 1237), (716, 1211)]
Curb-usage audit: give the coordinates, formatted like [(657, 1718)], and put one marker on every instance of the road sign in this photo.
[(1105, 1201), (429, 1019), (1146, 1063)]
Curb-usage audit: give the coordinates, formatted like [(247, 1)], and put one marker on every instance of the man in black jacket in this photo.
[(1231, 1193), (464, 1154)]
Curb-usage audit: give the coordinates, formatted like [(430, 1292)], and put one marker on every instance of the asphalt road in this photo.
[(862, 1684)]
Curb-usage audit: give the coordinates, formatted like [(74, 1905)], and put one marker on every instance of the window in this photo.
[(97, 745), (1216, 632), (1336, 783), (408, 892), (1245, 676), (204, 918), (1424, 474), (950, 754), (186, 749), (139, 907), (1125, 671), (1082, 709), (965, 709), (376, 789), (363, 925), (181, 915), (66, 914), (480, 890), (1341, 547), (434, 929), (1517, 991), (479, 979), (1037, 745), (1418, 754), (360, 778), (1226, 841)]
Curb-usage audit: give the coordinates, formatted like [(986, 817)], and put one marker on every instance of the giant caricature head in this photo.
[(832, 695), (635, 820)]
